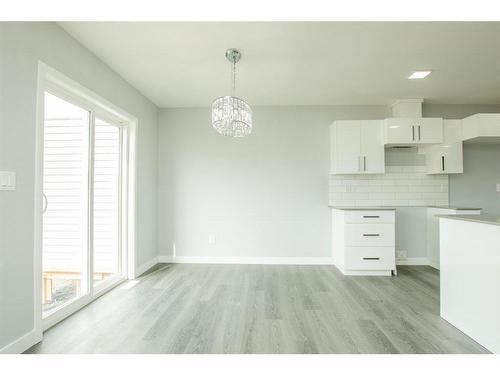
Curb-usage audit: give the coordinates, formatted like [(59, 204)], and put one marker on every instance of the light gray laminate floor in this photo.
[(263, 309)]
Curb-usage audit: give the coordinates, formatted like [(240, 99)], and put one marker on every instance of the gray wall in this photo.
[(21, 46), (477, 185), (267, 195), (262, 196), (411, 231)]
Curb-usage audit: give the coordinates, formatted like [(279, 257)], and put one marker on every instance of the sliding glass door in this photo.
[(106, 202), (65, 193), (82, 219)]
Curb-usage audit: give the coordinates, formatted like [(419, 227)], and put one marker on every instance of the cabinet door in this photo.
[(399, 131), (372, 148), (428, 130), (447, 157), (444, 159), (453, 158), (347, 147), (433, 160)]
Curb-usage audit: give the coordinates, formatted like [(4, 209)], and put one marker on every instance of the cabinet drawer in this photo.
[(370, 258), (369, 234), (374, 217)]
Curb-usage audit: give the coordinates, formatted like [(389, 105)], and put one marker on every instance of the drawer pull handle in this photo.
[(371, 258), (371, 235), (371, 216)]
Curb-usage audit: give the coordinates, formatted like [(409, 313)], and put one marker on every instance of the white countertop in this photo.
[(358, 208), (455, 208), (482, 218), (390, 208)]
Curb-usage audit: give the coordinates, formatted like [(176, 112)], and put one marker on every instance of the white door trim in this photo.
[(22, 343), (246, 260), (51, 79)]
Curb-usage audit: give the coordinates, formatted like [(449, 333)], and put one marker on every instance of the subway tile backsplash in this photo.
[(399, 186)]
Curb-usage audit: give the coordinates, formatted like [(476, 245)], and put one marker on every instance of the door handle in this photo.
[(45, 203), (364, 163), (419, 138), (371, 234), (442, 163), (413, 133), (371, 258)]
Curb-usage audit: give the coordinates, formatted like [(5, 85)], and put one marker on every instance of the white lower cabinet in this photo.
[(363, 234), (363, 241), (368, 258)]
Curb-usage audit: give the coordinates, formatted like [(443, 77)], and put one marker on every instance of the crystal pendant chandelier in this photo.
[(232, 116)]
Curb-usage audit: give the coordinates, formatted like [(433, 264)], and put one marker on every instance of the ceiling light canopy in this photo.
[(232, 116), (419, 74)]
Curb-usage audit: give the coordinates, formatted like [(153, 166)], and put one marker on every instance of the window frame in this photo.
[(56, 83)]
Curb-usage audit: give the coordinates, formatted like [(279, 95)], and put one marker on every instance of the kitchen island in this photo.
[(470, 276)]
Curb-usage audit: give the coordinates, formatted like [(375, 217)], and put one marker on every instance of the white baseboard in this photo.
[(418, 261), (247, 260), (434, 265), (422, 261), (23, 343), (146, 266)]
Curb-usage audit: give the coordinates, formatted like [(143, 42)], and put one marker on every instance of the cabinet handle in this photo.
[(371, 216), (419, 138), (413, 133), (442, 163), (364, 163), (371, 235), (371, 258), (359, 163)]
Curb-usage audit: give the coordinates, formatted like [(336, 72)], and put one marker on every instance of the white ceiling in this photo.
[(301, 63)]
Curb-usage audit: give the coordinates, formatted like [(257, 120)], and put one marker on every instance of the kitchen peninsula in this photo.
[(470, 276)]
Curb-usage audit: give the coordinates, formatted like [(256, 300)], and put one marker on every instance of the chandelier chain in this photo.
[(233, 88)]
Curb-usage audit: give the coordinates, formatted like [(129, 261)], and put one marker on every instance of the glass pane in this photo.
[(65, 188), (106, 201)]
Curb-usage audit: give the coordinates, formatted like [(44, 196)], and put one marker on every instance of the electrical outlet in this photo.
[(498, 188), (212, 240), (401, 254)]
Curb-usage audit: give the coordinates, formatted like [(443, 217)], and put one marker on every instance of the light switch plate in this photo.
[(7, 180)]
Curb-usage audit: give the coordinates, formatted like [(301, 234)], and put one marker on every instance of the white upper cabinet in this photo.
[(406, 131), (447, 157), (345, 147), (356, 147), (482, 128), (372, 148)]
